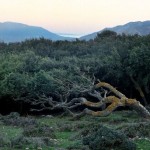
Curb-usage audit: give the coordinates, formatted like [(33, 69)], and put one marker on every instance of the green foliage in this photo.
[(14, 84), (143, 144), (137, 130), (105, 139), (7, 134), (39, 66), (30, 62), (106, 34)]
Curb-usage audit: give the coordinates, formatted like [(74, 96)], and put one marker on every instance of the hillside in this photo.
[(16, 32), (131, 28)]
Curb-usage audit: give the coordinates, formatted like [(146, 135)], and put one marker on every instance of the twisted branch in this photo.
[(47, 103)]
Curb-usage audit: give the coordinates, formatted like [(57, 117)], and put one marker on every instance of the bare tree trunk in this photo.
[(124, 101), (139, 89)]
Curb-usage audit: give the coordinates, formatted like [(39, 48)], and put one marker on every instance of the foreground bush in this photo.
[(104, 138)]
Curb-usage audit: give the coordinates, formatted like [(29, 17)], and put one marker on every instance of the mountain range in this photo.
[(131, 28), (16, 32)]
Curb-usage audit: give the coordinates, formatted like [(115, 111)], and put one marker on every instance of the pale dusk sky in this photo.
[(74, 16)]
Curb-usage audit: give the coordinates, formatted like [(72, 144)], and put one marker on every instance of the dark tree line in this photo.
[(63, 70)]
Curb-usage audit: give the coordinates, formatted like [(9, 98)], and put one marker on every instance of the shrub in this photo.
[(14, 120), (106, 139), (137, 129), (31, 142), (39, 131)]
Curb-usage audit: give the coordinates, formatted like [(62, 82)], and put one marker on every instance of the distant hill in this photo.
[(16, 32), (131, 28)]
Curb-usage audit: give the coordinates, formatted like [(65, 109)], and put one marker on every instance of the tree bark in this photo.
[(139, 89), (123, 101)]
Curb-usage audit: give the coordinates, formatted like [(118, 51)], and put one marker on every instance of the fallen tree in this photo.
[(115, 100)]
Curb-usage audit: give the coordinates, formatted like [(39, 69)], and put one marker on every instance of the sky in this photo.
[(78, 17)]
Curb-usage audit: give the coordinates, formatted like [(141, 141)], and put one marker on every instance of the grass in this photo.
[(10, 132), (63, 139), (7, 134), (68, 132), (143, 144)]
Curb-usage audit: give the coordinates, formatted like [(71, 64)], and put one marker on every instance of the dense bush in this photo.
[(35, 67), (136, 130), (31, 142), (105, 139)]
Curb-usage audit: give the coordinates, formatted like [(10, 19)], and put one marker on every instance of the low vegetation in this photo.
[(120, 130)]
